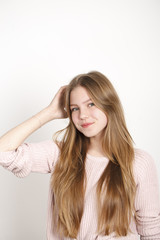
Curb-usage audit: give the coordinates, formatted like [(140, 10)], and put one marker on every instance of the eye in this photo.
[(74, 109), (91, 104)]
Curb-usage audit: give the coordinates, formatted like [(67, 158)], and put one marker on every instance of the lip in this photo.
[(85, 125)]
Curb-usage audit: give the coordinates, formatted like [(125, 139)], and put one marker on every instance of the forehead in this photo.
[(78, 94)]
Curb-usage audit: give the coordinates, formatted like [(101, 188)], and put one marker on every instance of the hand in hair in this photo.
[(57, 105)]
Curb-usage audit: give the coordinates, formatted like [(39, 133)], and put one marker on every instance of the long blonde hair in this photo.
[(116, 186)]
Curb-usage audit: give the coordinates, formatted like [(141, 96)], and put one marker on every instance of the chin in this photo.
[(88, 135)]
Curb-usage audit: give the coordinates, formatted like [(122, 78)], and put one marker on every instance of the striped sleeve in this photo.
[(30, 157), (147, 202)]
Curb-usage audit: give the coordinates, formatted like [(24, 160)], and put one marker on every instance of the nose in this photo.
[(83, 114)]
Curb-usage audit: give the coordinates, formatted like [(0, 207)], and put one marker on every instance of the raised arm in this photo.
[(16, 136)]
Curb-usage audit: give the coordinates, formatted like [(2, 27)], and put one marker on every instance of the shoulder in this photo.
[(143, 166), (142, 157), (50, 144), (48, 147)]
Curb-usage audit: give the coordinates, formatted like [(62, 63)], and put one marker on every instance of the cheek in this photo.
[(102, 118), (74, 118), (105, 120), (99, 114)]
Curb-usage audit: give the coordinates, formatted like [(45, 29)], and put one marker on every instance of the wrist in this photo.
[(44, 116)]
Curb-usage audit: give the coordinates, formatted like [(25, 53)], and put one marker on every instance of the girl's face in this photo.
[(87, 118)]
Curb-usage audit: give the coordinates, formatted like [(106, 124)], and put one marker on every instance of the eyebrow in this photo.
[(88, 100)]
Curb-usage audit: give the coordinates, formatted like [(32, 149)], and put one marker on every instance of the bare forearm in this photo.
[(13, 138), (55, 110)]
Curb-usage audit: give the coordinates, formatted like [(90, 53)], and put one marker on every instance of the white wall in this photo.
[(43, 44)]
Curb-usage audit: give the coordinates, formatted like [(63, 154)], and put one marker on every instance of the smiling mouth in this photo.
[(85, 125)]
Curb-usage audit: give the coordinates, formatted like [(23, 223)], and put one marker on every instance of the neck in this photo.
[(95, 148)]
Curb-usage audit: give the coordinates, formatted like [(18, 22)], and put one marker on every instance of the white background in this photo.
[(43, 45)]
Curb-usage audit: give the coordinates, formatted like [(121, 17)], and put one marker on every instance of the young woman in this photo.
[(101, 187)]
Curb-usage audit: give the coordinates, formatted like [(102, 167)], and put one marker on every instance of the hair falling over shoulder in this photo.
[(116, 186)]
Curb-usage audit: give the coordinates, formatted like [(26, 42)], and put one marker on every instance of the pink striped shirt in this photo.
[(41, 157)]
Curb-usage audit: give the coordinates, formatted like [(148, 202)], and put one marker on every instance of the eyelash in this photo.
[(91, 104), (76, 108)]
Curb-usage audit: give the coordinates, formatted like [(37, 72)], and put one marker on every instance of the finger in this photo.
[(62, 97)]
